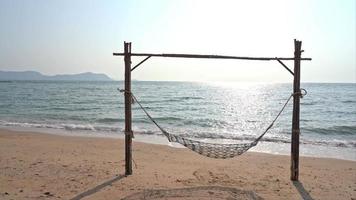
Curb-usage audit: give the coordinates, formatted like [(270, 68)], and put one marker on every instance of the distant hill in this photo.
[(33, 75)]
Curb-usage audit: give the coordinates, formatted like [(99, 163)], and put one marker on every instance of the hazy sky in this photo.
[(66, 36)]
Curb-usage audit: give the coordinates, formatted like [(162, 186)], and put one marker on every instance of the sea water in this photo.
[(209, 111)]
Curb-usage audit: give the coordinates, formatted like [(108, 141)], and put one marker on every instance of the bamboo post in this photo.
[(128, 114), (296, 112)]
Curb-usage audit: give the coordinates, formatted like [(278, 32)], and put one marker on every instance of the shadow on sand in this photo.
[(303, 193), (200, 192), (97, 188)]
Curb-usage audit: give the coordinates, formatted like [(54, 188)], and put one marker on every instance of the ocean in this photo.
[(209, 111)]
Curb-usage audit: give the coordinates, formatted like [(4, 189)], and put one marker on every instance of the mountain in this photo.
[(33, 75)]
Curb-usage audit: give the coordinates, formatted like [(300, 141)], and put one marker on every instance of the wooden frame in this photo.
[(296, 96)]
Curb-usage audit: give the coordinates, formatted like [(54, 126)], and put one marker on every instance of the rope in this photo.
[(275, 119), (148, 115)]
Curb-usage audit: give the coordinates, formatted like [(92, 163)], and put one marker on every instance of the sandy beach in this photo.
[(45, 166)]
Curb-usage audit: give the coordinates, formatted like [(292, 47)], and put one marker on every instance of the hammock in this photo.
[(212, 150)]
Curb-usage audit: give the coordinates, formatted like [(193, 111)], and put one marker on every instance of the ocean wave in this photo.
[(177, 99), (334, 130), (334, 143), (68, 126), (145, 102), (167, 120), (110, 120), (308, 103), (201, 136), (75, 127), (29, 125), (305, 120), (72, 127), (147, 132), (348, 101), (189, 98), (207, 123), (72, 108)]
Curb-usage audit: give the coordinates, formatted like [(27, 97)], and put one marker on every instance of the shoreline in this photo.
[(263, 146), (48, 166)]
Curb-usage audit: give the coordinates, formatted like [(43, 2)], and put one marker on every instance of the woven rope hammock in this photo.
[(212, 150)]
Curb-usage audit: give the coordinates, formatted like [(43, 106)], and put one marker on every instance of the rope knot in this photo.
[(123, 91), (127, 92), (302, 92)]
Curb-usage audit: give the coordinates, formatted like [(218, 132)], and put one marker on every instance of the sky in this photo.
[(66, 37)]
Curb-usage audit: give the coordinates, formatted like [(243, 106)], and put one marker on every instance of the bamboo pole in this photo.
[(128, 113), (296, 112), (207, 56)]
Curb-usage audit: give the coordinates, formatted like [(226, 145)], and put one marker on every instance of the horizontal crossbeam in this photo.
[(208, 56)]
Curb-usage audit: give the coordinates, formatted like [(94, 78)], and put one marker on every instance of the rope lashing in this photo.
[(125, 91), (214, 150), (302, 92)]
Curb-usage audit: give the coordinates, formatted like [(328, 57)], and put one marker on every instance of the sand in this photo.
[(45, 166)]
